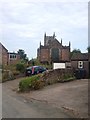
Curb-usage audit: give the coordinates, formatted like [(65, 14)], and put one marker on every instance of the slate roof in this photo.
[(80, 56), (13, 53), (43, 47), (3, 46)]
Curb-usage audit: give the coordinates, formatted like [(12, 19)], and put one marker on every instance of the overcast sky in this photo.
[(24, 22)]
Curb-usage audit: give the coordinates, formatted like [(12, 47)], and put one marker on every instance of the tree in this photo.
[(33, 63), (22, 54), (20, 67), (88, 49), (75, 51)]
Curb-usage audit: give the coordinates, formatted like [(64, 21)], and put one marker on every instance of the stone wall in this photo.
[(50, 43), (3, 55), (65, 55), (44, 56), (58, 75)]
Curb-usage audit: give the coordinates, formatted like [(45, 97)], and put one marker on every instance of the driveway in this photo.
[(15, 106), (71, 98)]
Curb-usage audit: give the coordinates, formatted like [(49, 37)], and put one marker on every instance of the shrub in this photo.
[(67, 77), (7, 75), (38, 84), (30, 83), (20, 67), (16, 72)]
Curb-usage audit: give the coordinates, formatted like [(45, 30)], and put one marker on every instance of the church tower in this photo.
[(45, 39), (61, 41), (54, 35)]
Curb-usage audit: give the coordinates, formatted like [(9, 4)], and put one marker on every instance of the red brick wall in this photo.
[(44, 56), (14, 61), (65, 54), (86, 67), (0, 54), (3, 55), (74, 65)]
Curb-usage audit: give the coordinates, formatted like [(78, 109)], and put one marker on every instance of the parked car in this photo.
[(34, 70)]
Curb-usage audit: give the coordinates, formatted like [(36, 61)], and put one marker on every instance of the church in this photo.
[(53, 50)]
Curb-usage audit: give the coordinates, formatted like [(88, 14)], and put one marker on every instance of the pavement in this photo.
[(60, 100)]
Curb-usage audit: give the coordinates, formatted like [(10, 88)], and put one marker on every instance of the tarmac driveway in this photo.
[(71, 97)]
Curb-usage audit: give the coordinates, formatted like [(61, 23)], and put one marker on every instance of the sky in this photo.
[(24, 22)]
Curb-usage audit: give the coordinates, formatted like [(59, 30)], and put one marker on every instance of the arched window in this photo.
[(55, 54)]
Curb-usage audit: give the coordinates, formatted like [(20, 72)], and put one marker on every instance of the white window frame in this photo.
[(12, 57), (80, 63)]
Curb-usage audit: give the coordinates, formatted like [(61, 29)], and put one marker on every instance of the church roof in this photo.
[(43, 47)]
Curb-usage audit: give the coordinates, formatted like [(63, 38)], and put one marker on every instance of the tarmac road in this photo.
[(60, 100), (15, 106)]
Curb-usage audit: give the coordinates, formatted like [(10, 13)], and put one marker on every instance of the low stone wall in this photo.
[(7, 75), (58, 75)]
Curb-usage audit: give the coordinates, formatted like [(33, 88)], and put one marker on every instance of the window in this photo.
[(55, 54), (80, 64), (10, 56), (13, 56)]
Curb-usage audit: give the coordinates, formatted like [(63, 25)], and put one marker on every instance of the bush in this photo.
[(7, 75), (30, 83), (16, 72), (20, 67), (38, 84)]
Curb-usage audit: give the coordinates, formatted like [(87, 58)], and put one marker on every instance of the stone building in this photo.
[(81, 61), (53, 50), (3, 55), (7, 58), (13, 58)]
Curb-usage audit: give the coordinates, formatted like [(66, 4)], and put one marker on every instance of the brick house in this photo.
[(53, 50), (81, 61), (7, 58), (13, 58), (3, 55)]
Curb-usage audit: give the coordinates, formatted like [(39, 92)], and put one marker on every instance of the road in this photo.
[(60, 100), (15, 106)]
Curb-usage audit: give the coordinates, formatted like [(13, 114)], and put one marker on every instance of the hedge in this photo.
[(30, 83)]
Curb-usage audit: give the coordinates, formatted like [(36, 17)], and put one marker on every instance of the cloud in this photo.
[(25, 21), (28, 1)]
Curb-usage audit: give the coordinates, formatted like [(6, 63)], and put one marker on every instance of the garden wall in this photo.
[(58, 75)]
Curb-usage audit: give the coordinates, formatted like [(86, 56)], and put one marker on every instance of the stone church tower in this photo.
[(53, 50)]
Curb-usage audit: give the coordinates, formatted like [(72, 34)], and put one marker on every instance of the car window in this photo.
[(30, 68), (36, 68)]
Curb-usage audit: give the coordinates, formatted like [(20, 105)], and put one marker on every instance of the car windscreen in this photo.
[(36, 68), (30, 68)]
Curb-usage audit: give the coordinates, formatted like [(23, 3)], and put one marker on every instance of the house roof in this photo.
[(3, 46), (80, 56), (13, 53)]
